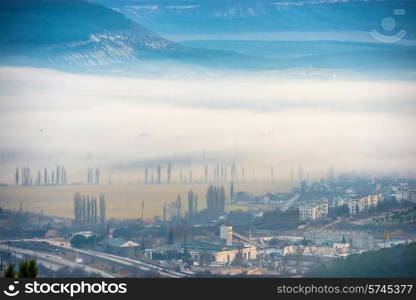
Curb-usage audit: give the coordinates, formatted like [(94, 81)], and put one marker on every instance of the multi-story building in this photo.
[(353, 206), (365, 203), (313, 211), (407, 195), (411, 195)]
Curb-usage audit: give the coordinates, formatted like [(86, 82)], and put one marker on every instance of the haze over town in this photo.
[(192, 138)]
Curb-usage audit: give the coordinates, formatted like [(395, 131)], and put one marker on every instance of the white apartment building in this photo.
[(313, 211), (365, 203)]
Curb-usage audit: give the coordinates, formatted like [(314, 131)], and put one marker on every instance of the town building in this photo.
[(406, 195), (313, 211), (229, 254), (365, 203), (121, 247), (207, 253)]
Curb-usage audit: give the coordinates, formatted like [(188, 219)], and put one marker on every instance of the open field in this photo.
[(122, 200)]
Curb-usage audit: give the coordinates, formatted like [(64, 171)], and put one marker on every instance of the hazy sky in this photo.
[(120, 124)]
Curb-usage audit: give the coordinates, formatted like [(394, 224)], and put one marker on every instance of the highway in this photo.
[(54, 262), (145, 266)]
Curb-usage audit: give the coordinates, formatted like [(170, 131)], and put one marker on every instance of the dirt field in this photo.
[(122, 200)]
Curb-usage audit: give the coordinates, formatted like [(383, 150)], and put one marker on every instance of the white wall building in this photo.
[(313, 211), (365, 203), (227, 256)]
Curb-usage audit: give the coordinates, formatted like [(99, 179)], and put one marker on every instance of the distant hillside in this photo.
[(78, 35), (398, 261), (235, 16), (43, 22), (74, 32), (61, 33), (320, 54)]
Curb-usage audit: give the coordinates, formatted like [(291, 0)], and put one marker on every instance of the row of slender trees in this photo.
[(150, 178), (192, 204), (27, 269), (215, 199), (86, 209), (215, 203), (217, 174), (23, 176), (174, 210), (93, 176)]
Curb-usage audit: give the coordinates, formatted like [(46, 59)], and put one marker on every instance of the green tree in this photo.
[(170, 237), (79, 241), (23, 269), (10, 272), (33, 268), (397, 261), (339, 211), (28, 269)]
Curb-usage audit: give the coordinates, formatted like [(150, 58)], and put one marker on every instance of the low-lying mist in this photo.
[(121, 124)]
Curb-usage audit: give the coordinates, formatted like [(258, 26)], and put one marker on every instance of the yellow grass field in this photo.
[(122, 200)]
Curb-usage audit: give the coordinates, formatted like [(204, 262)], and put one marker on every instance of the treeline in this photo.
[(93, 177), (24, 176), (27, 269), (86, 209), (397, 261), (215, 205), (150, 178), (339, 211), (215, 199), (399, 217), (167, 174), (174, 210)]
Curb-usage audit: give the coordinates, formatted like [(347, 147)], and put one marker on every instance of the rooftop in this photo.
[(120, 243), (197, 246)]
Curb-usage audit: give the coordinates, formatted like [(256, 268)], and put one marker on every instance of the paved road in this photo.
[(54, 262), (145, 266)]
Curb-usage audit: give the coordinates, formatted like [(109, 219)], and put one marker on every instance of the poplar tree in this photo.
[(16, 176)]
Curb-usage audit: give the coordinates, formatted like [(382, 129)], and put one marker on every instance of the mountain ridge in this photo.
[(77, 33), (81, 36)]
